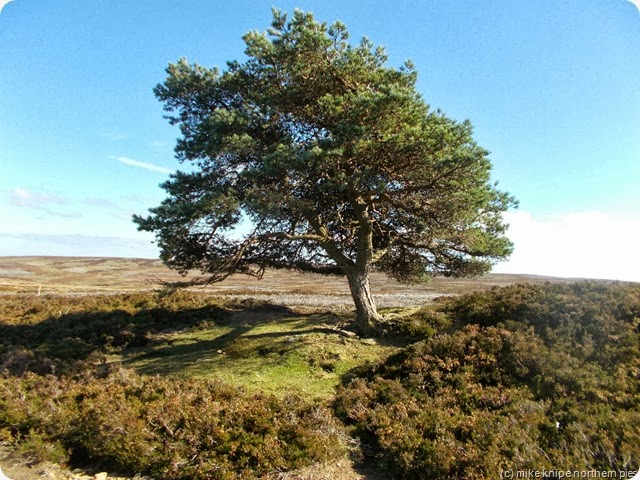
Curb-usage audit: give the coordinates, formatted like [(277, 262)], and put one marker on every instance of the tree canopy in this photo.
[(336, 160)]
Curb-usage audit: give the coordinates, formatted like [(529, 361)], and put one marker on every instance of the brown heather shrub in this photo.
[(167, 427), (417, 325), (523, 377), (549, 379), (594, 321), (56, 334)]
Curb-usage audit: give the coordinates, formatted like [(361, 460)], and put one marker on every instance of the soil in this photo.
[(17, 466)]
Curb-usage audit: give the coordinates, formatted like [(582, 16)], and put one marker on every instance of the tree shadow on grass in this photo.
[(251, 341), (63, 343)]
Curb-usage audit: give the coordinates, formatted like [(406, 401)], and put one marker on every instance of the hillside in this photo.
[(267, 380), (74, 275)]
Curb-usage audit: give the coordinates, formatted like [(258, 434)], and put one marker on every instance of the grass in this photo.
[(270, 349), (253, 344)]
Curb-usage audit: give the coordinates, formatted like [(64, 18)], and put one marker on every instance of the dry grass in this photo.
[(86, 275)]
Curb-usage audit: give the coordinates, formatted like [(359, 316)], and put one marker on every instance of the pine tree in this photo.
[(336, 160)]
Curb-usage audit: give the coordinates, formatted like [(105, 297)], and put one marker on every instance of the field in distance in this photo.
[(85, 275)]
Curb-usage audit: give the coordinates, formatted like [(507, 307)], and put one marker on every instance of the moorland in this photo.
[(103, 369)]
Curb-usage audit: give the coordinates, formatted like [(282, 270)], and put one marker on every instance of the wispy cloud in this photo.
[(101, 202), (74, 245), (43, 202), (113, 134), (57, 205), (21, 197), (158, 145), (145, 165), (636, 3)]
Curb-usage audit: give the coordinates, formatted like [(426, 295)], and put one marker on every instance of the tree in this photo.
[(335, 158)]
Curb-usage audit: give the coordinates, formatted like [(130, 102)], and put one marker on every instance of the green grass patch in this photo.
[(262, 349), (248, 343)]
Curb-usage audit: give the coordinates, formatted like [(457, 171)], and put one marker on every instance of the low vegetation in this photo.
[(188, 386), (524, 378), (170, 428)]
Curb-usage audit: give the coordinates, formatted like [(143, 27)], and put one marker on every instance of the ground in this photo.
[(83, 275), (22, 467), (305, 330)]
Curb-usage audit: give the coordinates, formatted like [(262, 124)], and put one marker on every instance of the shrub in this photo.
[(58, 334), (594, 321), (506, 390), (419, 324), (169, 428)]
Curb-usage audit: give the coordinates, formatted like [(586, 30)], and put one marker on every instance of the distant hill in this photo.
[(82, 275)]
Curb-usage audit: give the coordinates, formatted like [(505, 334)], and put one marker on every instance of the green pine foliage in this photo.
[(334, 156)]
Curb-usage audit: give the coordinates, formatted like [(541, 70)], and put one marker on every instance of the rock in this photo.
[(100, 476)]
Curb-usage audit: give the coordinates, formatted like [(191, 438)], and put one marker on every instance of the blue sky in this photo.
[(551, 86)]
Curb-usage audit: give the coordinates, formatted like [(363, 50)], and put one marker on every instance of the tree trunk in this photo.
[(367, 317)]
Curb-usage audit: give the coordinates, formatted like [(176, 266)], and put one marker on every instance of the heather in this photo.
[(188, 385)]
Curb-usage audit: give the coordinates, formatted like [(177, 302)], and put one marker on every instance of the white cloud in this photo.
[(29, 211), (3, 3), (103, 203), (40, 203), (114, 135), (636, 3), (147, 166), (580, 244), (158, 145)]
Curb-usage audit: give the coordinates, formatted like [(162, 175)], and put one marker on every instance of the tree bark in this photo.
[(367, 316)]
